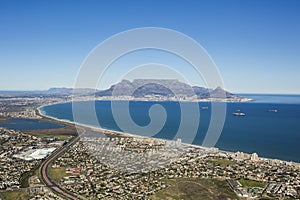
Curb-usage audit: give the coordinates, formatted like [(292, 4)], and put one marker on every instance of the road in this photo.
[(44, 170)]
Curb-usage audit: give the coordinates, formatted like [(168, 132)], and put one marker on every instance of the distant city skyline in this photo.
[(255, 44)]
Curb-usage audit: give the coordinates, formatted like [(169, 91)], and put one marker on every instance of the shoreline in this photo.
[(84, 125), (108, 131)]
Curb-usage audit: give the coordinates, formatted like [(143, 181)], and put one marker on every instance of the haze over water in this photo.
[(270, 134)]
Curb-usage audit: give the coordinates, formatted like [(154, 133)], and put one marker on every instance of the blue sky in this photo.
[(255, 44)]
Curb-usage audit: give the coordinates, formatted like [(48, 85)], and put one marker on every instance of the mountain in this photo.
[(138, 88), (62, 91), (220, 93), (52, 92), (70, 91), (161, 87)]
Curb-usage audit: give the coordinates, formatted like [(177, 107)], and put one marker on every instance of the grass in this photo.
[(58, 137), (195, 189), (52, 132), (15, 195), (222, 162), (57, 174), (63, 137), (250, 183)]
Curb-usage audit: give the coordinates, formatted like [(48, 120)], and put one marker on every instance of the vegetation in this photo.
[(57, 174), (52, 132), (24, 179), (58, 137), (250, 183), (63, 137), (17, 195), (196, 189), (222, 162)]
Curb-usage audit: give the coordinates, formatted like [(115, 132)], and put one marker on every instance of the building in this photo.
[(254, 157)]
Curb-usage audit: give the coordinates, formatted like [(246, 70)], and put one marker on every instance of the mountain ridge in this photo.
[(162, 87), (137, 88)]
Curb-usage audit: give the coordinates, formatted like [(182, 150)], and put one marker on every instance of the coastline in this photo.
[(84, 125), (114, 132)]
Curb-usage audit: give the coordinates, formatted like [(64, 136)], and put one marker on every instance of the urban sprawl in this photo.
[(109, 165)]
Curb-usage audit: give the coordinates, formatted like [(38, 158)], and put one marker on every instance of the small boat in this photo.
[(273, 110), (204, 108), (238, 114)]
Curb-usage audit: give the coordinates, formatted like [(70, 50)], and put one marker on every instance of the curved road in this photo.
[(44, 170)]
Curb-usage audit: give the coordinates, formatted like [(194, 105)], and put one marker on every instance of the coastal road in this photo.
[(44, 169)]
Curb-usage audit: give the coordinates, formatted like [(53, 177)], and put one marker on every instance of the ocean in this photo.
[(270, 134)]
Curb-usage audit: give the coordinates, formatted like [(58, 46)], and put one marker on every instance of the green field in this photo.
[(250, 183), (58, 137), (195, 189), (15, 195), (63, 137), (57, 174), (222, 162)]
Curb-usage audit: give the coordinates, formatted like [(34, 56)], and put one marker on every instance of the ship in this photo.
[(273, 110), (238, 114)]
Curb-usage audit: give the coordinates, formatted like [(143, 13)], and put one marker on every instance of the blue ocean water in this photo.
[(270, 134), (29, 124)]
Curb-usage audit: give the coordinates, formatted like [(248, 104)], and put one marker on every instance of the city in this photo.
[(110, 164)]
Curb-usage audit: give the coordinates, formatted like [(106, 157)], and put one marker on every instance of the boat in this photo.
[(204, 107), (238, 114), (273, 110)]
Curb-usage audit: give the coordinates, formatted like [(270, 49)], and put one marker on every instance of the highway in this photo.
[(44, 170)]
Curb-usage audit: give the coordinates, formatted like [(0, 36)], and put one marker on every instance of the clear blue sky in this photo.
[(255, 43)]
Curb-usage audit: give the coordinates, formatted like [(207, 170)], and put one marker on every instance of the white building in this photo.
[(254, 157)]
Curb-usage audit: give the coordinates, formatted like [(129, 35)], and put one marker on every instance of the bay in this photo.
[(270, 134)]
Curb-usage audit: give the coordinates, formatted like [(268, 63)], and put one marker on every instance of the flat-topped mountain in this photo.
[(161, 87)]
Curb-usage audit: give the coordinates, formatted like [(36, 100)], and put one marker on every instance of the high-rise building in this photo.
[(254, 157)]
